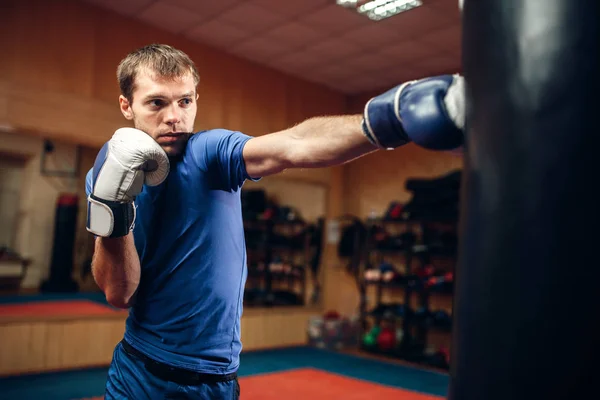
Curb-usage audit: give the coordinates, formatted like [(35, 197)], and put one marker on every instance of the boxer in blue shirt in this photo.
[(164, 205)]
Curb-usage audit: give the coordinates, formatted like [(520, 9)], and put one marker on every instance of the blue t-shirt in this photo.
[(189, 236)]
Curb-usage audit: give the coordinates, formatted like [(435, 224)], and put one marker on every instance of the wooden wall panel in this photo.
[(59, 115), (6, 46), (7, 11), (37, 346), (4, 88), (72, 71), (275, 328), (55, 343), (56, 32)]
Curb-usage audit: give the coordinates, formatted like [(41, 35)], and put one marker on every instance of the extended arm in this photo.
[(429, 112), (316, 142), (116, 269)]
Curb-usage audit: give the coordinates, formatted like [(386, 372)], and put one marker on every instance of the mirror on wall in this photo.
[(283, 222)]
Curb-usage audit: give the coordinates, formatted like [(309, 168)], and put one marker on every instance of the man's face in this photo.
[(164, 108)]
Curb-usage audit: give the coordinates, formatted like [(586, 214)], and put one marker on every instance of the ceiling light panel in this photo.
[(377, 10)]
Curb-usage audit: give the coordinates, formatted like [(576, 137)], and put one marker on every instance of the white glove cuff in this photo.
[(109, 218)]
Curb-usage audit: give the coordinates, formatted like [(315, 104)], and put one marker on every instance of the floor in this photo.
[(292, 373)]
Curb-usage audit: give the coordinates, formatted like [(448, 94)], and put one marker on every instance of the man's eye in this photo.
[(156, 103), (186, 102)]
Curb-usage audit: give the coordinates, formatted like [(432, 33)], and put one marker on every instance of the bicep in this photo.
[(268, 154)]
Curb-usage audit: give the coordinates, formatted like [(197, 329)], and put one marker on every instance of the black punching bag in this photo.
[(61, 264), (527, 295)]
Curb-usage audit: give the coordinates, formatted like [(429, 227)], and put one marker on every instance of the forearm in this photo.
[(116, 269), (327, 141)]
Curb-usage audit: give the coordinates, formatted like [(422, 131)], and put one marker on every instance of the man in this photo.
[(165, 207)]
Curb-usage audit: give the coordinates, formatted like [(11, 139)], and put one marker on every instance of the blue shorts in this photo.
[(128, 378)]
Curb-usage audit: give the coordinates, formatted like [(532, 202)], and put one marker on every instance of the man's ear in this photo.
[(125, 107)]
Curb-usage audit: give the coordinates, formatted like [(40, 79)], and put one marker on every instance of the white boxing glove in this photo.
[(130, 159)]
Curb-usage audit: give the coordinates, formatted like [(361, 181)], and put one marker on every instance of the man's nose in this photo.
[(173, 115)]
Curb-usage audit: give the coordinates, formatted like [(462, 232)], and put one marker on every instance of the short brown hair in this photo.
[(163, 59)]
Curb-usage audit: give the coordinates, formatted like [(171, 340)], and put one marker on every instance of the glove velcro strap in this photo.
[(109, 218), (382, 124)]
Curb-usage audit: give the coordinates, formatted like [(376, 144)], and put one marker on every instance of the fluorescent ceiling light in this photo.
[(377, 10), (347, 3)]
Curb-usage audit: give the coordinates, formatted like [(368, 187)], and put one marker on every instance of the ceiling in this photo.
[(315, 40)]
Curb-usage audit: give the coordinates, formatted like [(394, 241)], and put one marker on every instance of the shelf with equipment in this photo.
[(408, 272), (282, 251), (407, 268)]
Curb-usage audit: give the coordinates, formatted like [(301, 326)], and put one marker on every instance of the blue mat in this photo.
[(28, 298), (90, 382)]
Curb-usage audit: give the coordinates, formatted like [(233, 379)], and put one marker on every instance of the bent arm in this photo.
[(116, 269), (317, 142)]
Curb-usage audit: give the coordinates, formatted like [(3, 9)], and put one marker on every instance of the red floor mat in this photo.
[(55, 308), (315, 384)]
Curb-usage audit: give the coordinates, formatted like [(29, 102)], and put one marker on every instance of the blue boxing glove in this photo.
[(429, 112)]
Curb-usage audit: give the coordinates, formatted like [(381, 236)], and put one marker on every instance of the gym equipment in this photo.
[(440, 283), (61, 264), (254, 203), (395, 117), (527, 213), (352, 238), (438, 358), (331, 315), (386, 340), (435, 199), (372, 275), (387, 272), (281, 247), (316, 243), (402, 241), (423, 316), (399, 335), (394, 211), (442, 319), (390, 311), (370, 338), (333, 331)]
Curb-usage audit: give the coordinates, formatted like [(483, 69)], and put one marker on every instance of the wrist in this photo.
[(382, 124), (112, 219)]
